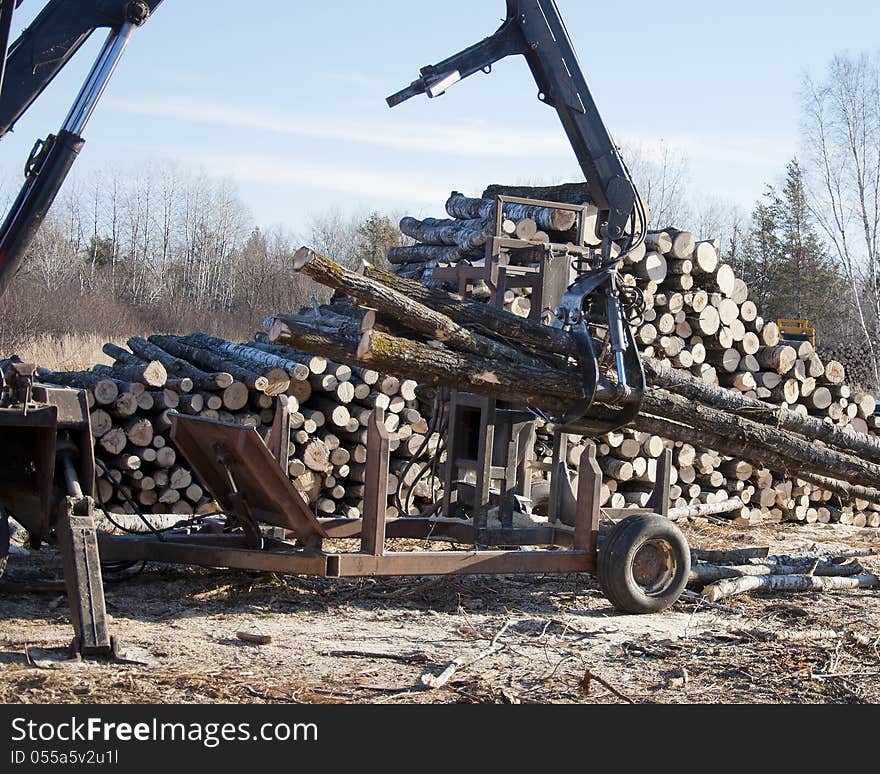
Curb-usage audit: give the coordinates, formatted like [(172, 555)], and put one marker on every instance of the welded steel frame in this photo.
[(554, 547)]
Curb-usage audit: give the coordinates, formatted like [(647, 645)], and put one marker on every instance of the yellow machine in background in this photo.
[(796, 329)]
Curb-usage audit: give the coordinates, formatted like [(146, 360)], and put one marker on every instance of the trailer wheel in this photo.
[(644, 564), (4, 540)]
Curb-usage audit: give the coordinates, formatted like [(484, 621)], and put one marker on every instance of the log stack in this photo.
[(761, 428), (200, 375), (722, 421), (698, 318)]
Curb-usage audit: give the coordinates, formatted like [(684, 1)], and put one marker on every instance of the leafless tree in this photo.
[(661, 177), (841, 129), (335, 234)]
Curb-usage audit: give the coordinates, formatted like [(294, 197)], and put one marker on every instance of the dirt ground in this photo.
[(556, 638)]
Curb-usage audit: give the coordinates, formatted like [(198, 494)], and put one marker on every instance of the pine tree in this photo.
[(787, 266), (761, 262), (811, 288), (375, 235)]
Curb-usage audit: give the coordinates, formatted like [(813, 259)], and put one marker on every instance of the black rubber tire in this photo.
[(643, 548)]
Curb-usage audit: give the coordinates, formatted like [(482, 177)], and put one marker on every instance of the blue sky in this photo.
[(287, 98)]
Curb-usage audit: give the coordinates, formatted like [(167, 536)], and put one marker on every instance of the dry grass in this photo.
[(66, 353)]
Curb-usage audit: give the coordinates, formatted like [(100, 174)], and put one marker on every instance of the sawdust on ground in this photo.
[(556, 638)]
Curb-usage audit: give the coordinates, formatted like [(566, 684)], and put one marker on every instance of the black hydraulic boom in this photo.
[(535, 30), (29, 66)]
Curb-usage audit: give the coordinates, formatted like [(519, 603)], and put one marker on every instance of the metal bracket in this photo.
[(82, 577)]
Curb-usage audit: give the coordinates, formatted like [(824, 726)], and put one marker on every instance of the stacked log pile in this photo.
[(731, 439), (329, 404), (698, 318), (768, 429), (852, 354)]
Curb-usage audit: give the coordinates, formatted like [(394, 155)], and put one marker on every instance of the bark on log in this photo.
[(410, 312), (724, 400), (422, 253), (104, 390), (207, 359), (566, 193), (704, 573), (315, 363), (785, 583), (729, 556), (466, 208), (799, 454), (552, 388), (251, 360), (467, 235), (705, 509), (540, 338), (201, 380)]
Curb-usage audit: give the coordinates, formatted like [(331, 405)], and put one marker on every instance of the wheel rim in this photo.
[(654, 566)]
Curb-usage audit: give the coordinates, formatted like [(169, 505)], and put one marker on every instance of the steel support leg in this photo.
[(82, 576)]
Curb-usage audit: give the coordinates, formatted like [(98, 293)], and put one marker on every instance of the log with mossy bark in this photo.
[(418, 317), (677, 381), (550, 388)]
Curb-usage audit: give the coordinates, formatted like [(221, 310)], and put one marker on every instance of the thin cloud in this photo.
[(719, 148), (340, 178), (461, 140)]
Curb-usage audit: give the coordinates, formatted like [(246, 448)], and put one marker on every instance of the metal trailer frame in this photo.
[(275, 531), (256, 495)]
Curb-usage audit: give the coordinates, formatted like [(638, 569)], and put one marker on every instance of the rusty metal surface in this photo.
[(242, 476), (278, 440), (659, 500), (586, 526), (226, 448), (82, 577), (376, 484), (27, 466), (212, 554), (460, 562), (457, 530)]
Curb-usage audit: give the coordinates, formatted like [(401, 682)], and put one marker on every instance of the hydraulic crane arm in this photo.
[(49, 42), (30, 65), (535, 29)]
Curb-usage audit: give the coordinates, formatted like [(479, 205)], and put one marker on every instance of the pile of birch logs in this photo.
[(329, 405), (722, 574), (698, 318), (743, 414)]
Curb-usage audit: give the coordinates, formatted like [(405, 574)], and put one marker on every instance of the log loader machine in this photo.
[(46, 458)]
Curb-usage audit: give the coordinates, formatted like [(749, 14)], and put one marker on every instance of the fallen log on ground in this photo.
[(786, 583), (704, 573)]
